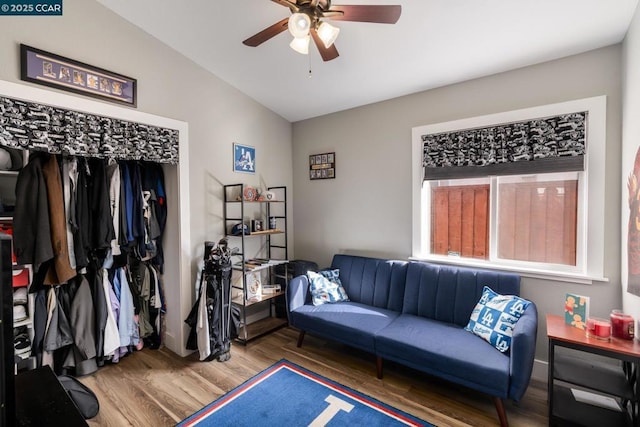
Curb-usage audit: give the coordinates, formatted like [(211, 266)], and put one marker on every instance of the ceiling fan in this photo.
[(306, 21)]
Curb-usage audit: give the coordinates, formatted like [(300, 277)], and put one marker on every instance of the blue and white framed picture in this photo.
[(244, 158)]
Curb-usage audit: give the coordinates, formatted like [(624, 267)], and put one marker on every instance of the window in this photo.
[(460, 220), (535, 218), (525, 216)]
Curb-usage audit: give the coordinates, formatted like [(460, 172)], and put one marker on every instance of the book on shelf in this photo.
[(595, 399), (576, 310), (253, 263), (249, 265), (246, 265), (271, 289)]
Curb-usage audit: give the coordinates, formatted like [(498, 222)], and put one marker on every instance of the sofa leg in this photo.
[(379, 367), (300, 338), (502, 415)]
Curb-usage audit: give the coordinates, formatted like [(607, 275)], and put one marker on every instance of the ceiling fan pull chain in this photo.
[(309, 58)]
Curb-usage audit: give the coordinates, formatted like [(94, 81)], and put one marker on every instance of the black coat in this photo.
[(31, 228), (81, 243), (102, 232)]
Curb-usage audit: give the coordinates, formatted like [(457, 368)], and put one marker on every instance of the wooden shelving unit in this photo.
[(237, 210)]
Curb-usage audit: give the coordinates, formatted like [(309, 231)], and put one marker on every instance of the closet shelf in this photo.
[(259, 233), (257, 299)]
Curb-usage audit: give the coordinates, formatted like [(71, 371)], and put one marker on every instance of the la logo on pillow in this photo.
[(495, 316)]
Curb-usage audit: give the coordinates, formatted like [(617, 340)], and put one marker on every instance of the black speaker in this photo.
[(7, 361)]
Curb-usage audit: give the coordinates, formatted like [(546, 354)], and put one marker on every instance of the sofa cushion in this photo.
[(445, 350), (348, 322), (449, 293), (372, 281), (494, 317)]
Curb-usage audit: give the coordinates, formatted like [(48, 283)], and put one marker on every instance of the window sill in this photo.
[(558, 276)]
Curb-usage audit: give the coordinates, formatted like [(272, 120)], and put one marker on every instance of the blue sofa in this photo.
[(414, 313)]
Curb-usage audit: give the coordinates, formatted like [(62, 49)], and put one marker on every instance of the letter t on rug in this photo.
[(335, 405)]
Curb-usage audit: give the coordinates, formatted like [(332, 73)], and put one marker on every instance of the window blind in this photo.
[(542, 145)]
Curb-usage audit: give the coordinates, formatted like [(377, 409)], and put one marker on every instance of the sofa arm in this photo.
[(297, 291), (523, 349)]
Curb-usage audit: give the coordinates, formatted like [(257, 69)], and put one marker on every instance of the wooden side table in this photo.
[(620, 383)]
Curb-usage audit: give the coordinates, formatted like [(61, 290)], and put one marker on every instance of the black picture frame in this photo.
[(48, 69), (322, 166)]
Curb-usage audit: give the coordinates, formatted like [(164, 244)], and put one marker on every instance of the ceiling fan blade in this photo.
[(382, 14), (264, 35), (327, 54)]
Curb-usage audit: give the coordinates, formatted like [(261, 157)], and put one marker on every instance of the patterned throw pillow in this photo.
[(332, 275), (326, 290), (495, 316)]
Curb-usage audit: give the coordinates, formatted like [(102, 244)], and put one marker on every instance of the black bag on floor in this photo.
[(82, 396)]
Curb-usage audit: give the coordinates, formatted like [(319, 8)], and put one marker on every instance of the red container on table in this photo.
[(622, 325), (598, 328)]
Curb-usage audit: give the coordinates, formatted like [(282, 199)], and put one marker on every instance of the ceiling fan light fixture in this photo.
[(301, 44), (299, 25), (328, 33)]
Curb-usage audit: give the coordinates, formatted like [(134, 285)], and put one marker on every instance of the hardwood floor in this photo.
[(158, 388)]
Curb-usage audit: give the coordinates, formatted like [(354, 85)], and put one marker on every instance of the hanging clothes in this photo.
[(58, 331), (39, 325), (127, 201), (141, 289), (153, 181), (137, 207), (126, 324), (123, 236), (74, 217), (115, 307), (82, 356), (31, 227), (113, 179), (60, 271), (101, 223), (111, 334), (101, 309), (81, 235), (69, 183), (155, 309)]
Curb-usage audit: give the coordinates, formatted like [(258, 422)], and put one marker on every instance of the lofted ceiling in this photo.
[(434, 43)]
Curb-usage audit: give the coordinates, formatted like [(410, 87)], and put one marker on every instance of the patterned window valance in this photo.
[(33, 126), (551, 144)]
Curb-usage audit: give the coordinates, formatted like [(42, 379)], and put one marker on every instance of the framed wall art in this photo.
[(322, 166), (49, 69), (244, 158)]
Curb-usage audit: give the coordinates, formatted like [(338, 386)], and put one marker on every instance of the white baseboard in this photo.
[(540, 370)]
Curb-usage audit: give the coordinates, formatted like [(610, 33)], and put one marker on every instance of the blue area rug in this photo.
[(286, 394)]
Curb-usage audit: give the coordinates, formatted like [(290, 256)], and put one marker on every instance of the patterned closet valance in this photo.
[(551, 144), (34, 126)]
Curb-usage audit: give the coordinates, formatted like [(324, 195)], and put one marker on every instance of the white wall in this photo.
[(366, 209), (630, 144), (172, 86)]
